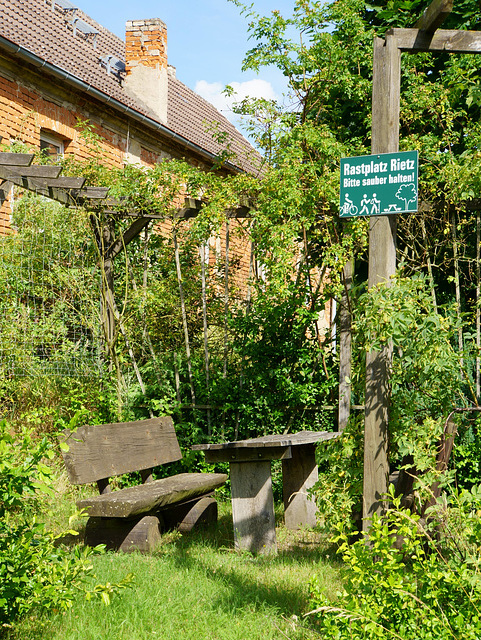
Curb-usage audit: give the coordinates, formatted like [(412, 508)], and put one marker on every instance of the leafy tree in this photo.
[(325, 52)]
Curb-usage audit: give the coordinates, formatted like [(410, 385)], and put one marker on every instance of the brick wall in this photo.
[(24, 113)]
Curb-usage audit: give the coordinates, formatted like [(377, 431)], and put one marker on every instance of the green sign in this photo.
[(378, 185)]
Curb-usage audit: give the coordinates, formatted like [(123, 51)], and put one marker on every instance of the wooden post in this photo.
[(108, 314), (382, 265), (478, 299), (345, 351), (253, 507), (299, 474)]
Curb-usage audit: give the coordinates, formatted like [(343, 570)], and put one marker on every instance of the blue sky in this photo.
[(207, 40)]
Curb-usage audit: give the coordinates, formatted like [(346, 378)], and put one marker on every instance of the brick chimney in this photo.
[(146, 63)]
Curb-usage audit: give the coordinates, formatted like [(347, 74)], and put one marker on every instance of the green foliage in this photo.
[(403, 581), (467, 454), (338, 492), (47, 309), (399, 315), (402, 314), (36, 572)]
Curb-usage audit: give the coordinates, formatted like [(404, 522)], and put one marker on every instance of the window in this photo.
[(51, 145)]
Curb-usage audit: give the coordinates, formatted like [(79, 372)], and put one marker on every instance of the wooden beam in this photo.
[(131, 233), (66, 183), (5, 187), (192, 208), (40, 179), (450, 40), (93, 193), (33, 171), (23, 159), (132, 214), (240, 212), (435, 15)]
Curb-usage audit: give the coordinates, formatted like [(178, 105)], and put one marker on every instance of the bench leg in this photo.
[(185, 517), (118, 534), (253, 506), (299, 474)]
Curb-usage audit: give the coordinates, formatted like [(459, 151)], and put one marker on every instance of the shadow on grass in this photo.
[(247, 582), (270, 586), (303, 544)]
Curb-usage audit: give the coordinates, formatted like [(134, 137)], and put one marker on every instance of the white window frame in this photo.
[(53, 140)]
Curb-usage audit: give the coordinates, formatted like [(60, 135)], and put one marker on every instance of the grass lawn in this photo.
[(195, 587)]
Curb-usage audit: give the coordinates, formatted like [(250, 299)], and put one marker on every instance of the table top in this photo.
[(280, 440)]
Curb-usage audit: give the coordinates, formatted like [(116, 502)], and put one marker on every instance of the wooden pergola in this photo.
[(425, 36), (46, 180)]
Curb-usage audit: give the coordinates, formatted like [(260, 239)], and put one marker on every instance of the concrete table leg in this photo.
[(299, 474), (253, 506)]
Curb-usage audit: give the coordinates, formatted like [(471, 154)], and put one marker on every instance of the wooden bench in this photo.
[(132, 518)]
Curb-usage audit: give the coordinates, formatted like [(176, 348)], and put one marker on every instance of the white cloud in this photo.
[(212, 91)]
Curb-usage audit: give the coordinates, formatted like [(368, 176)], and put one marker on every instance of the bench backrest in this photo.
[(106, 450)]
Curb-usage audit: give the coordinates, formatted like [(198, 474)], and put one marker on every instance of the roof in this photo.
[(47, 34)]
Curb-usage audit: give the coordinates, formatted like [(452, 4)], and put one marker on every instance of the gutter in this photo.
[(140, 118)]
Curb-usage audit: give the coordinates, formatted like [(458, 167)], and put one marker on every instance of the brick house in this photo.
[(59, 67)]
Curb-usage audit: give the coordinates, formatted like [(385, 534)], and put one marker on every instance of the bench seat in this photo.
[(152, 496)]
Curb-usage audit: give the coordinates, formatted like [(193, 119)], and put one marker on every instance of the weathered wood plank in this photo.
[(185, 213), (40, 183), (299, 475), (59, 195), (277, 440), (248, 454), (20, 159), (124, 535), (150, 497), (33, 171), (41, 187), (130, 214), (382, 265), (442, 459), (102, 451), (452, 41), (184, 517), (5, 187), (239, 213), (94, 193), (434, 16), (129, 235), (66, 182), (193, 207), (253, 507)]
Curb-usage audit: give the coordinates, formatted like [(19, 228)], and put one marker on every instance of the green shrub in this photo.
[(422, 337), (409, 578), (36, 572)]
